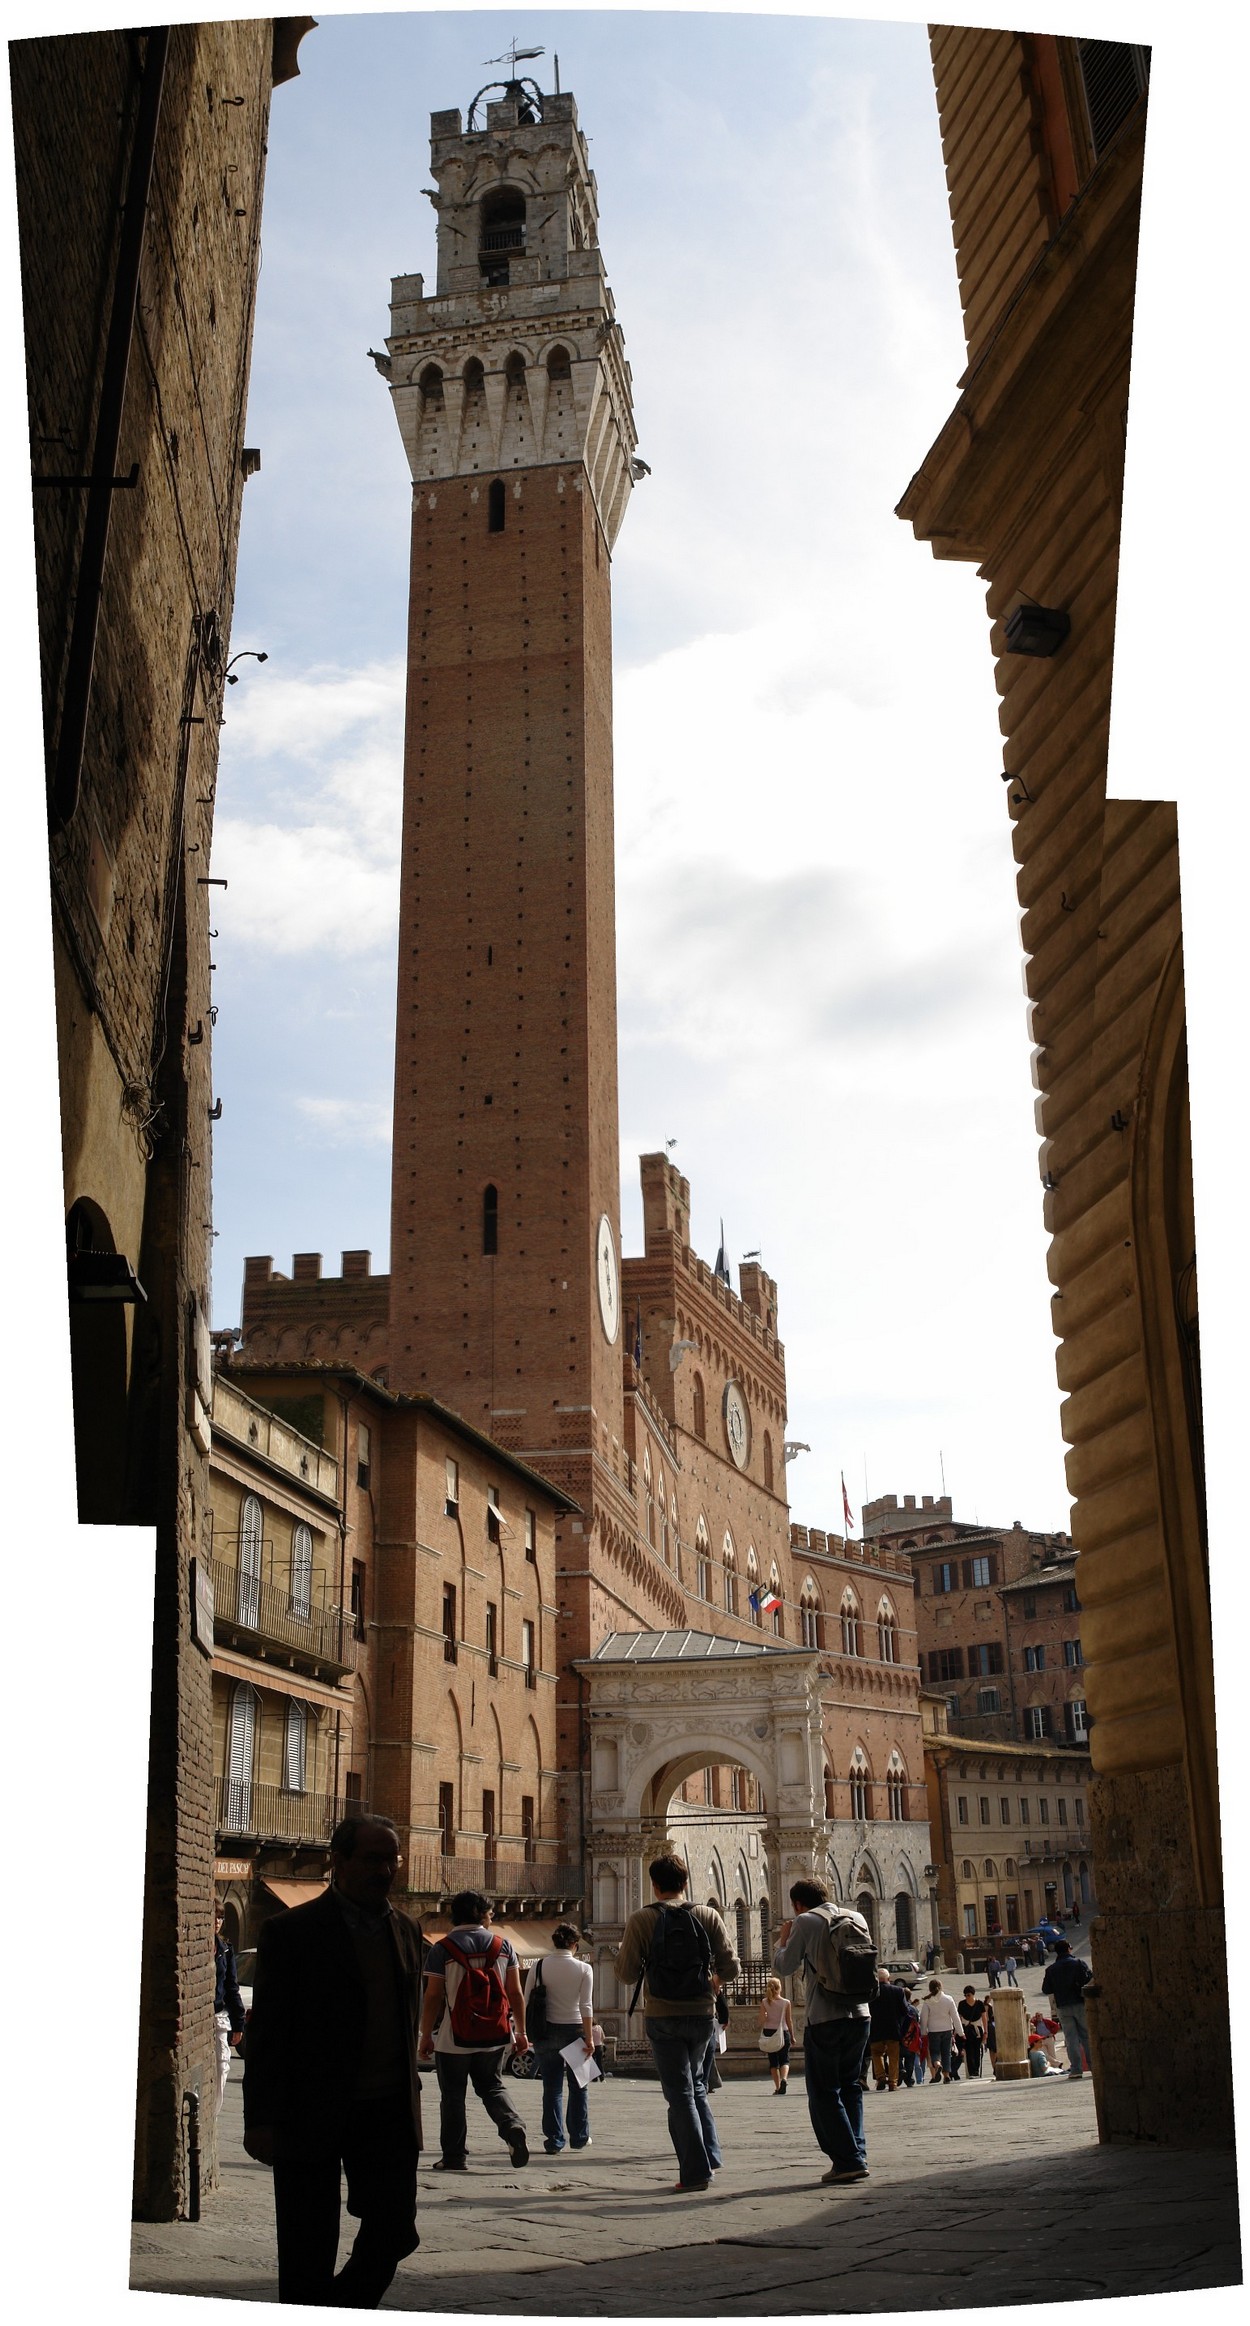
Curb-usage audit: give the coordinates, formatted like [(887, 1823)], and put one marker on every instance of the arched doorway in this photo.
[(866, 1905)]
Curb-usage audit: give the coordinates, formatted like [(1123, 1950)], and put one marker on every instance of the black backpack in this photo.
[(678, 1968)]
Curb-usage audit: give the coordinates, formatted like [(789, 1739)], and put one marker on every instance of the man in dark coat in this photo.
[(331, 2078), (889, 2020)]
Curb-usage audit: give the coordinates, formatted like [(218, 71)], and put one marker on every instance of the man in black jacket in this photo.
[(890, 2019), (1069, 1981), (331, 2078)]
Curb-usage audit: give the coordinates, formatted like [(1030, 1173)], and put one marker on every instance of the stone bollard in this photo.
[(1011, 2030)]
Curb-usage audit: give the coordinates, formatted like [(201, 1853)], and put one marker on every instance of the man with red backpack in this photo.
[(473, 2003)]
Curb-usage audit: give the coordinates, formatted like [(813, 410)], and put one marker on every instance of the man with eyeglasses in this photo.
[(331, 2081)]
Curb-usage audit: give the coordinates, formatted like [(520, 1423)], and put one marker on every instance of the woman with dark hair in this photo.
[(558, 1992)]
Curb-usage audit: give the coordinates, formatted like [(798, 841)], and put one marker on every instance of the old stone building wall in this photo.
[(1026, 480), (140, 167)]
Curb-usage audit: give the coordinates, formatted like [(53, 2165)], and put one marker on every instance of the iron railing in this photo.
[(497, 1877), (503, 238), (325, 1635), (271, 1813)]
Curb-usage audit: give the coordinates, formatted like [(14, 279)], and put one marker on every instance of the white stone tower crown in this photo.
[(517, 361)]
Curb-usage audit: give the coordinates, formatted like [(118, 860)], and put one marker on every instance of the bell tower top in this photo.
[(517, 361), (516, 202)]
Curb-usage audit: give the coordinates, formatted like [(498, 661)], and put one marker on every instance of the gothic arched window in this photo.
[(850, 1624), (700, 1407)]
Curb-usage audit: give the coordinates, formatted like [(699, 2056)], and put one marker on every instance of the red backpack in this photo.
[(480, 2012)]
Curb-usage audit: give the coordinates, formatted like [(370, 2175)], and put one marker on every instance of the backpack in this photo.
[(678, 1968), (843, 1958), (536, 2008), (480, 2017)]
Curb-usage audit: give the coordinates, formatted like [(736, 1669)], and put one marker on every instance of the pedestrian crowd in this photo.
[(350, 2005)]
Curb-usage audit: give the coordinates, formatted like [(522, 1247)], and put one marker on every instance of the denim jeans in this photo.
[(834, 2054), (554, 2071), (1071, 2017), (940, 2049), (682, 2049)]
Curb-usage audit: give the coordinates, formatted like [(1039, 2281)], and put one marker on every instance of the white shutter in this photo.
[(251, 1532), (301, 1571)]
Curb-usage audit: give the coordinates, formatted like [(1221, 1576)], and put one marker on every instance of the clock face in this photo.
[(737, 1425), (607, 1279)]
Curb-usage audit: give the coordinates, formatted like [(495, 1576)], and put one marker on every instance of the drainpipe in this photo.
[(66, 772)]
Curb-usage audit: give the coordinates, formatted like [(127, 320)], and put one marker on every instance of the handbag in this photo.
[(536, 2008), (772, 2038), (722, 2040)]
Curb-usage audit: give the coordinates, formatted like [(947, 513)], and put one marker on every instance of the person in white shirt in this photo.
[(939, 2021), (567, 1986)]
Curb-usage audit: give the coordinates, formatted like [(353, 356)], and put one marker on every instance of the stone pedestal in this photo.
[(1011, 2026)]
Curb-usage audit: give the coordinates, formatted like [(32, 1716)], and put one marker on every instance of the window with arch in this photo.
[(896, 1788), (768, 1463), (729, 1561), (904, 1922), (831, 1805), (501, 234), (251, 1550), (850, 1623), (742, 1929), (295, 1748), (661, 1496), (887, 1633), (490, 1221), (240, 1757), (648, 1493), (809, 1614), (861, 1788), (431, 386), (766, 1928), (991, 1870), (559, 364), (966, 1871), (496, 506), (703, 1562), (474, 377), (700, 1407), (779, 1611), (753, 1587), (301, 1571)]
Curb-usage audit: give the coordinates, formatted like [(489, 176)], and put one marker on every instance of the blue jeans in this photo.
[(834, 2054), (940, 2050), (553, 2071), (682, 2049), (1071, 2017)]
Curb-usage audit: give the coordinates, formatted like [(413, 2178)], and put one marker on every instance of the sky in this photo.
[(804, 1111), (819, 961)]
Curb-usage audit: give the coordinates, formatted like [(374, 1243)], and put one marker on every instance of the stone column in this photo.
[(1011, 2027)]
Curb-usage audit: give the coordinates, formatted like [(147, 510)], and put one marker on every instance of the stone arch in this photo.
[(650, 1787)]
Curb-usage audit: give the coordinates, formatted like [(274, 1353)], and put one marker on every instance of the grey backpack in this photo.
[(844, 1957)]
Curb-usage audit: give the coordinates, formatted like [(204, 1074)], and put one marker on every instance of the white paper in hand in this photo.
[(581, 2062)]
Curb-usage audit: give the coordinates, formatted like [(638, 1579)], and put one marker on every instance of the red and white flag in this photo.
[(847, 1519), (769, 1600)]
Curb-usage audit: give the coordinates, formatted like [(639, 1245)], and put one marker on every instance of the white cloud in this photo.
[(323, 753), (347, 1122)]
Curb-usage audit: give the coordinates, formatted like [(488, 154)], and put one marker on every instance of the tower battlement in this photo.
[(516, 361)]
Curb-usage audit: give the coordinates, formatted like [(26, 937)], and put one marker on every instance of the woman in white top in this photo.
[(939, 2021), (567, 1986), (775, 2014)]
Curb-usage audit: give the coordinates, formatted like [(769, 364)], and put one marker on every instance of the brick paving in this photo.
[(980, 2194)]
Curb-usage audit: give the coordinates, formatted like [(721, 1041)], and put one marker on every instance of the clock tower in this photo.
[(513, 400)]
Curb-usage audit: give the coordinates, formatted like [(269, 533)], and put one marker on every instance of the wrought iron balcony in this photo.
[(260, 1617), (503, 238), (270, 1813), (498, 1877)]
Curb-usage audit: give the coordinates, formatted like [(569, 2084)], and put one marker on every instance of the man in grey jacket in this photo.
[(835, 2038)]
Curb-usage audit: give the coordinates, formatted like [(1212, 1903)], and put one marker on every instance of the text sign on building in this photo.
[(201, 1606), (231, 1869)]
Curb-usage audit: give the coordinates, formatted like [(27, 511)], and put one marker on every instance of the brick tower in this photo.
[(513, 400)]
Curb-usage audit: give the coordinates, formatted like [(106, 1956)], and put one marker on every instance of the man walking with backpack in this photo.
[(473, 2001), (835, 1947), (672, 1948)]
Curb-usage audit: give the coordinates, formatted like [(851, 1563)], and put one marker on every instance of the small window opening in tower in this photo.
[(474, 377), (558, 365), (502, 231), (431, 385), (514, 370), (496, 506), (490, 1221)]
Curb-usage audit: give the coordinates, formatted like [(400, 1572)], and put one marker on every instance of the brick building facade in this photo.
[(140, 168), (1044, 142)]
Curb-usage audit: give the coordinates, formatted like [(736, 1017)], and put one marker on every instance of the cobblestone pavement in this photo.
[(980, 2194)]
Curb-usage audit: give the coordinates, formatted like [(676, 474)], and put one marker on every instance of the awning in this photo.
[(530, 1939), (293, 1893)]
